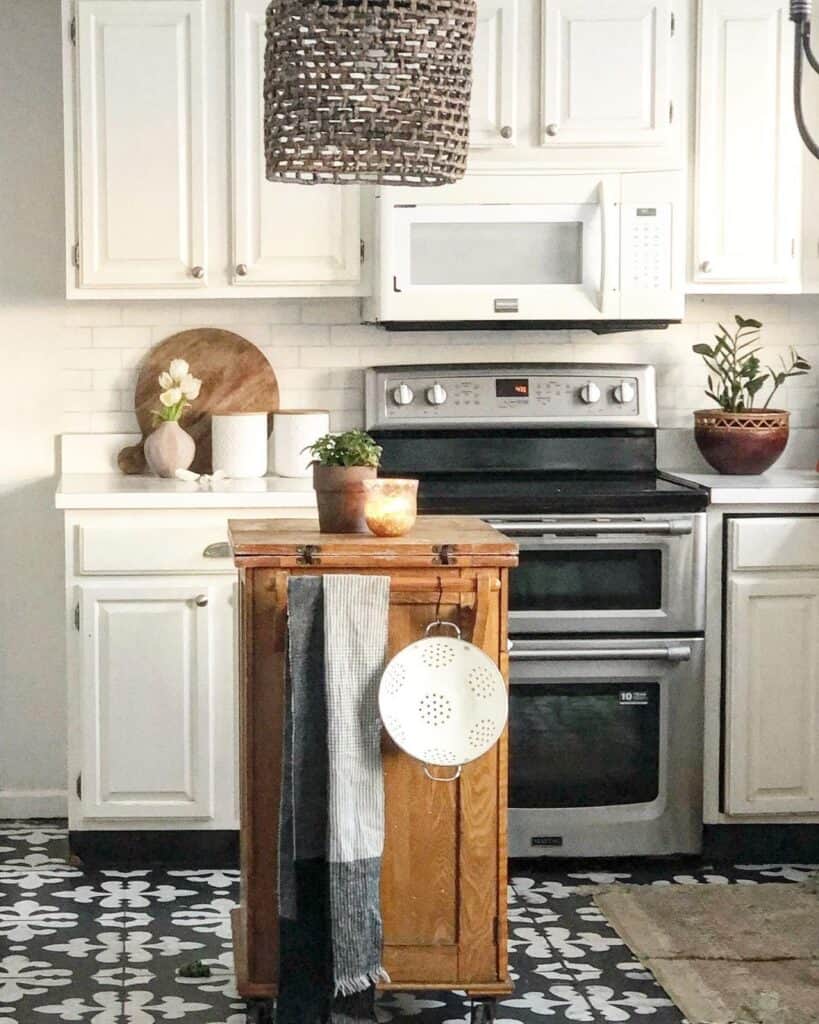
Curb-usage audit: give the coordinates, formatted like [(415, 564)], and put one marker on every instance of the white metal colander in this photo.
[(443, 701)]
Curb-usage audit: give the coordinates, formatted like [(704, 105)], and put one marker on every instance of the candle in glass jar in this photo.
[(390, 506)]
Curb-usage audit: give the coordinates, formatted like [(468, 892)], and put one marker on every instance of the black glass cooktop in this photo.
[(568, 493)]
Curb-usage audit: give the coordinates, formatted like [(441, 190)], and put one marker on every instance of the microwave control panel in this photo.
[(577, 395), (645, 240)]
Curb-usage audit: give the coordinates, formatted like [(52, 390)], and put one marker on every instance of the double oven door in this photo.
[(607, 575), (606, 684)]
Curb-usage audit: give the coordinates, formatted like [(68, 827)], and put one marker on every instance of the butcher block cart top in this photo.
[(443, 887)]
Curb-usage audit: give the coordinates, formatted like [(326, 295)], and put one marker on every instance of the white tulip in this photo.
[(190, 386), (179, 369), (165, 381), (171, 397)]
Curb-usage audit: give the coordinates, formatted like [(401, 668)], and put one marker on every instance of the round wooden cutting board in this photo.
[(235, 375)]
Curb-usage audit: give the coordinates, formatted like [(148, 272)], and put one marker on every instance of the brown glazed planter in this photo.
[(741, 443), (341, 497)]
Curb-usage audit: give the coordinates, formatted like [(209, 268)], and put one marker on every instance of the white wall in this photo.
[(71, 367)]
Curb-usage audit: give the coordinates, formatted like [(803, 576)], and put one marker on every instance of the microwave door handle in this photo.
[(672, 652), (666, 528)]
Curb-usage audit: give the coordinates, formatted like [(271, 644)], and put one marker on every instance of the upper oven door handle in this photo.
[(669, 652), (593, 528)]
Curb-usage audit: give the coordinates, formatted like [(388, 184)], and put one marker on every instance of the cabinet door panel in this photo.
[(147, 679), (747, 167), (606, 72), (284, 234), (772, 690), (141, 134), (493, 110)]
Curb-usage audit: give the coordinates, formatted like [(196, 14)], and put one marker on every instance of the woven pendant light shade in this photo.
[(368, 90)]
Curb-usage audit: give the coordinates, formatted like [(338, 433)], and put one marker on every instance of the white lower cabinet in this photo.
[(772, 667), (153, 658)]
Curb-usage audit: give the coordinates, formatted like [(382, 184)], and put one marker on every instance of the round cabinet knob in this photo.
[(552, 129), (241, 269), (590, 393), (198, 273), (436, 395), (201, 600), (705, 266), (403, 394), (624, 393), (506, 132)]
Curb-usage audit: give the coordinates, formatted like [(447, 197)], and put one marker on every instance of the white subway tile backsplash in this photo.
[(319, 351)]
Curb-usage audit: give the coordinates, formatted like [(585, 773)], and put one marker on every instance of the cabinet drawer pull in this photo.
[(552, 129), (201, 600), (221, 549), (705, 266), (506, 132), (198, 272), (241, 269)]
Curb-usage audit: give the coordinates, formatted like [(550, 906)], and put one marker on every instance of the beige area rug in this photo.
[(725, 954)]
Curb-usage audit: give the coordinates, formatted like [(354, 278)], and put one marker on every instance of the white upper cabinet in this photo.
[(493, 112), (747, 173), (287, 236), (606, 73), (141, 167)]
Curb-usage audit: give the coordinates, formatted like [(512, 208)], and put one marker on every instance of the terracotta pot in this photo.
[(169, 448), (341, 497), (741, 443)]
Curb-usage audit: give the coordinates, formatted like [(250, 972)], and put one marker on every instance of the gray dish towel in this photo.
[(331, 825)]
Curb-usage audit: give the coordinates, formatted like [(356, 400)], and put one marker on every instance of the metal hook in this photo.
[(440, 599)]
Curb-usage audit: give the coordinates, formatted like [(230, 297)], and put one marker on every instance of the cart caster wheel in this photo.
[(483, 1012), (261, 1011)]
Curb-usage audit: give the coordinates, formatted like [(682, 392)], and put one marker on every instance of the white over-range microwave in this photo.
[(605, 250)]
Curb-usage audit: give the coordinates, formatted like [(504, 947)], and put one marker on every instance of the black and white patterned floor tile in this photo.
[(104, 947)]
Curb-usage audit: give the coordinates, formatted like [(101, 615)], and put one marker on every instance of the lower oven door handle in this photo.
[(667, 528), (672, 652)]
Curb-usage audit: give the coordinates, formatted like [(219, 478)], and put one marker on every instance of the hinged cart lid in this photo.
[(458, 541)]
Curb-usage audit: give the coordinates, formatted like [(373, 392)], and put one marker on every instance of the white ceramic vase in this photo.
[(169, 448)]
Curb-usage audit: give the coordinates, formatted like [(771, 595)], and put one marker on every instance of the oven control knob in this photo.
[(436, 395), (590, 393), (403, 395), (624, 393)]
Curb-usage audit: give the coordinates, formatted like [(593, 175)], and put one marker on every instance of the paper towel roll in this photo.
[(293, 431), (240, 444)]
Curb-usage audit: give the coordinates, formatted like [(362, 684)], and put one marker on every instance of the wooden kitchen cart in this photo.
[(443, 888)]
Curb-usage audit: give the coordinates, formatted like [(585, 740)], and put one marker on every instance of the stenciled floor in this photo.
[(104, 947)]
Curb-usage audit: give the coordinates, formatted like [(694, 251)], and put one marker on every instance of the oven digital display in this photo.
[(508, 387)]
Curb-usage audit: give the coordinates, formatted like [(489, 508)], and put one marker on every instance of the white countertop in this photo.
[(114, 490), (776, 487)]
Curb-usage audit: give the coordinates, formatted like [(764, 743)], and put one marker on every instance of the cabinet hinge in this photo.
[(78, 786), (72, 31), (673, 24), (363, 250), (77, 616), (75, 255), (309, 554), (671, 112)]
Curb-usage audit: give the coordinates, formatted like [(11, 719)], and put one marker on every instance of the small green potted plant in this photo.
[(341, 464), (738, 437)]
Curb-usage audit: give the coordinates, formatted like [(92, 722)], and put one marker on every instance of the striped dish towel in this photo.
[(331, 828)]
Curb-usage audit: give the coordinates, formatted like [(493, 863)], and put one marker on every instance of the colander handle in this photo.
[(439, 778), (442, 622)]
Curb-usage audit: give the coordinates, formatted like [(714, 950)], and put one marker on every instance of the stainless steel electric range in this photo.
[(607, 608)]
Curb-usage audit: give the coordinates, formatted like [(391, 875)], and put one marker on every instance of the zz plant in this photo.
[(735, 372)]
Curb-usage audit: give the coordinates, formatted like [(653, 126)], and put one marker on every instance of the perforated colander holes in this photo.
[(481, 682), (396, 731), (435, 709), (481, 733), (438, 755), (394, 682), (437, 654)]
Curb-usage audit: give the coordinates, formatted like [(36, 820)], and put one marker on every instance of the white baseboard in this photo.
[(33, 803)]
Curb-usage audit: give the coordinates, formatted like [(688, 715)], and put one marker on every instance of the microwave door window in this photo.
[(514, 253), (616, 579), (584, 745)]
